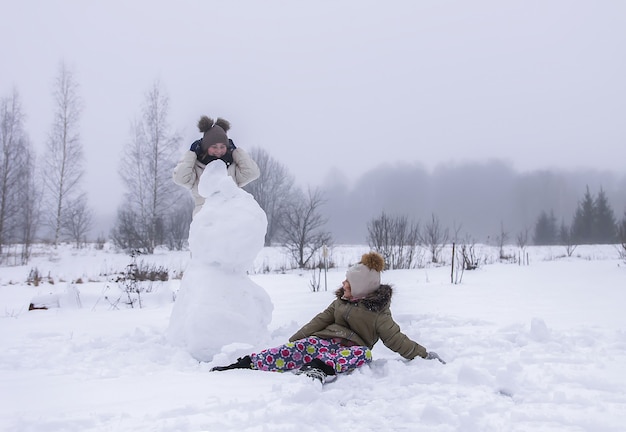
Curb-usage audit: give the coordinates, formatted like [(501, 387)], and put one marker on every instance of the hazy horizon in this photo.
[(476, 196)]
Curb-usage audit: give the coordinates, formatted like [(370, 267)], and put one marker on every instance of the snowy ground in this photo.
[(529, 348)]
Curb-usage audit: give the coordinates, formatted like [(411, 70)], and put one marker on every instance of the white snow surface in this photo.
[(538, 347), (218, 304)]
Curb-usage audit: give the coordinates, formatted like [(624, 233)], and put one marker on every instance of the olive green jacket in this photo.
[(362, 322)]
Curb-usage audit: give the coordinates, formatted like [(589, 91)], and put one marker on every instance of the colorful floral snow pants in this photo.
[(292, 355)]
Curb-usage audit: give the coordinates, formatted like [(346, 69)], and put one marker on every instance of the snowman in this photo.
[(218, 305)]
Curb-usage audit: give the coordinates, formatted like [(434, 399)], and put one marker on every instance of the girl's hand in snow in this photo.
[(434, 356)]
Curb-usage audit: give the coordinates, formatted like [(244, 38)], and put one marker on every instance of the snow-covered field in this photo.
[(529, 348)]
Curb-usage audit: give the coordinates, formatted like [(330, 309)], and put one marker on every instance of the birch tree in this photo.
[(146, 171), (12, 159), (29, 196), (64, 153), (20, 191)]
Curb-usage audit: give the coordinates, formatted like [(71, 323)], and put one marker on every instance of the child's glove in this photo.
[(196, 147), (434, 356)]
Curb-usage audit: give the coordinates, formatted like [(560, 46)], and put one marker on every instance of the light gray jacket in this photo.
[(187, 173)]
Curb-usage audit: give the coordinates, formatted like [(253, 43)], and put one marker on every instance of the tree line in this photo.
[(51, 204), (403, 241), (593, 222), (53, 197)]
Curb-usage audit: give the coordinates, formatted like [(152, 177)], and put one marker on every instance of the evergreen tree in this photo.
[(545, 229), (583, 223), (604, 226)]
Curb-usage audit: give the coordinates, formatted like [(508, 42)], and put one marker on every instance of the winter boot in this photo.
[(318, 370), (241, 363)]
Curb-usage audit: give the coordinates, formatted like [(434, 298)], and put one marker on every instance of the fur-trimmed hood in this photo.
[(362, 322), (376, 301)]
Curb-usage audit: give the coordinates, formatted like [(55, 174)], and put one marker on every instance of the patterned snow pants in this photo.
[(292, 355)]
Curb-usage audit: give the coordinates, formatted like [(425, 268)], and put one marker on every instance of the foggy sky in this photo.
[(334, 87)]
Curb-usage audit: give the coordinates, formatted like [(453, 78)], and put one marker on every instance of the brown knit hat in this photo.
[(214, 131), (364, 277)]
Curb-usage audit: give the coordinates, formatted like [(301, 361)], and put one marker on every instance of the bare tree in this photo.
[(464, 257), (522, 242), (273, 191), (621, 235), (502, 239), (177, 225), (30, 196), (11, 164), (456, 232), (379, 236), (469, 255), (129, 233), (146, 170), (20, 193), (302, 227), (395, 239), (522, 238), (64, 152), (567, 238), (435, 237), (77, 221)]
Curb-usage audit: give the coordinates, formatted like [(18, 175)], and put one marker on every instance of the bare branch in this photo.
[(302, 227), (435, 238), (273, 190), (395, 239)]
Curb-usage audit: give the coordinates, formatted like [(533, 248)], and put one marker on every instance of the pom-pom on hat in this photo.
[(214, 131), (364, 277)]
